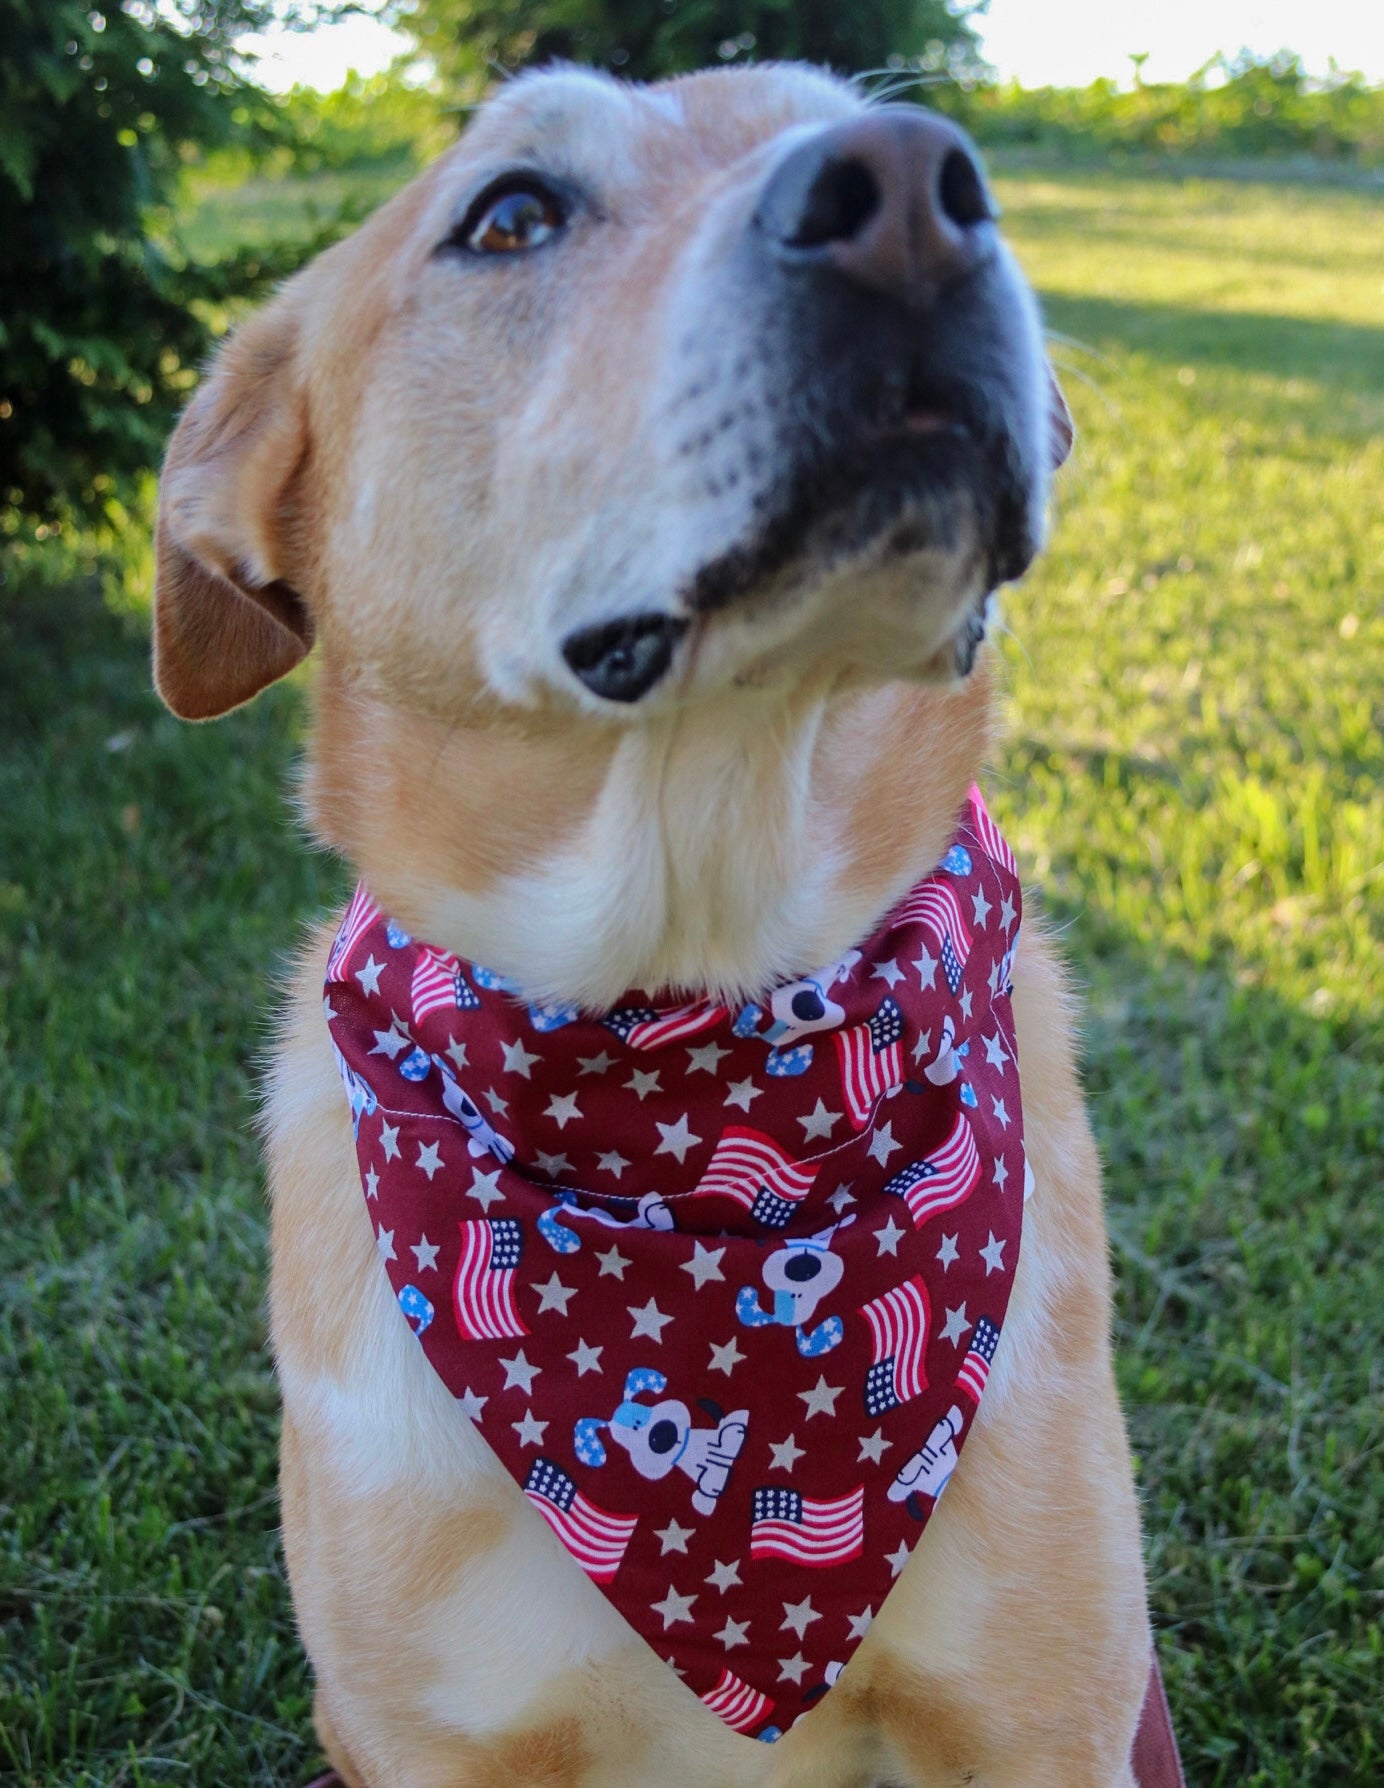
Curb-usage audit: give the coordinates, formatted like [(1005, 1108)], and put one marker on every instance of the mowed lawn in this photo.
[(1192, 773)]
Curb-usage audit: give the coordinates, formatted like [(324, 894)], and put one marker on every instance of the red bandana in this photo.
[(721, 1288)]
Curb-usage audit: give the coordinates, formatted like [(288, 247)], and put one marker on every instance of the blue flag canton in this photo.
[(506, 1243), (551, 1481), (777, 1505), (951, 963), (886, 1027), (986, 1339), (881, 1394), (625, 1020), (770, 1209)]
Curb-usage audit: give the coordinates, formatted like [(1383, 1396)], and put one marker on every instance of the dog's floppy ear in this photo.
[(227, 620), (1061, 428)]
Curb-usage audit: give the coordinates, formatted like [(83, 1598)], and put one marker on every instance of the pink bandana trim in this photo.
[(720, 1288)]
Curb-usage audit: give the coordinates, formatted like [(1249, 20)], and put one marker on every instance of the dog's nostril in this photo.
[(801, 1268), (837, 206), (622, 660), (663, 1437), (962, 191)]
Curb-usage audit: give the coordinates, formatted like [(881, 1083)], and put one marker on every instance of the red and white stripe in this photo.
[(361, 914), (744, 1161), (826, 1533), (866, 1073), (675, 1024), (482, 1294), (899, 1324), (992, 840), (956, 1172), (936, 908), (596, 1539), (741, 1707), (434, 981)]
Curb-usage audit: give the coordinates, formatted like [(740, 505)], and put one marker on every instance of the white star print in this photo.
[(518, 1060), (643, 1083), (956, 1325), (677, 1139), (485, 1188), (369, 976), (384, 1241), (457, 1051), (648, 1320), (586, 1358), (947, 1253), (425, 1253), (740, 1092), (980, 908), (791, 1669), (819, 1122), (799, 1616), (705, 1264), (927, 970), (874, 1447), (993, 1256), (882, 1144), (860, 1623), (840, 1198), (993, 978), (553, 1165), (390, 1042), (888, 1238), (372, 1183), (429, 1160), (786, 1454), (821, 1399), (498, 1105), (389, 1141), (1007, 912), (518, 1372), (328, 1010), (995, 1053), (725, 1576), (897, 1560), (554, 1295), (887, 971), (965, 1003), (595, 1064), (734, 1632), (923, 1046), (1001, 1173), (705, 1058), (673, 1607), (725, 1359), (613, 1263), (562, 1108), (1000, 1111), (471, 1405), (612, 1162), (530, 1430), (673, 1538)]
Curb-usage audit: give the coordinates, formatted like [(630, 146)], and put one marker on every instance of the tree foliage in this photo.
[(99, 321), (647, 39)]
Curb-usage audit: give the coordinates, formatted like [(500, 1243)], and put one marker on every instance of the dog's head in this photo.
[(637, 397)]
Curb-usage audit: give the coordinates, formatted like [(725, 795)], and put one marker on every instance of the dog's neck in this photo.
[(722, 848)]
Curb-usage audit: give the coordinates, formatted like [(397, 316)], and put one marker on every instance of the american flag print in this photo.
[(871, 1061), (597, 1539), (992, 840), (934, 905), (437, 983), (898, 1328), (975, 1368), (740, 1706), (761, 1177), (683, 1267), (483, 1295), (940, 1181), (788, 1525), (646, 1027), (361, 914)]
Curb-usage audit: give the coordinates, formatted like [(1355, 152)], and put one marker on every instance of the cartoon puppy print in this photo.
[(652, 1212), (481, 1136), (926, 1473), (659, 1436), (799, 1275), (798, 1010)]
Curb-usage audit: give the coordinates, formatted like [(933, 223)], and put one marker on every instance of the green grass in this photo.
[(1193, 773)]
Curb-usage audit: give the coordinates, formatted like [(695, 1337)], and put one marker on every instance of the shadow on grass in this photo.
[(148, 883)]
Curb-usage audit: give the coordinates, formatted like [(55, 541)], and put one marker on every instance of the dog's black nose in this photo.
[(622, 660), (893, 200)]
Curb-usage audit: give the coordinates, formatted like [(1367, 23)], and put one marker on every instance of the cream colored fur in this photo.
[(435, 481)]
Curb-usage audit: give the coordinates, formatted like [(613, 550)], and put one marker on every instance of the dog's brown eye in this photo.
[(521, 218)]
